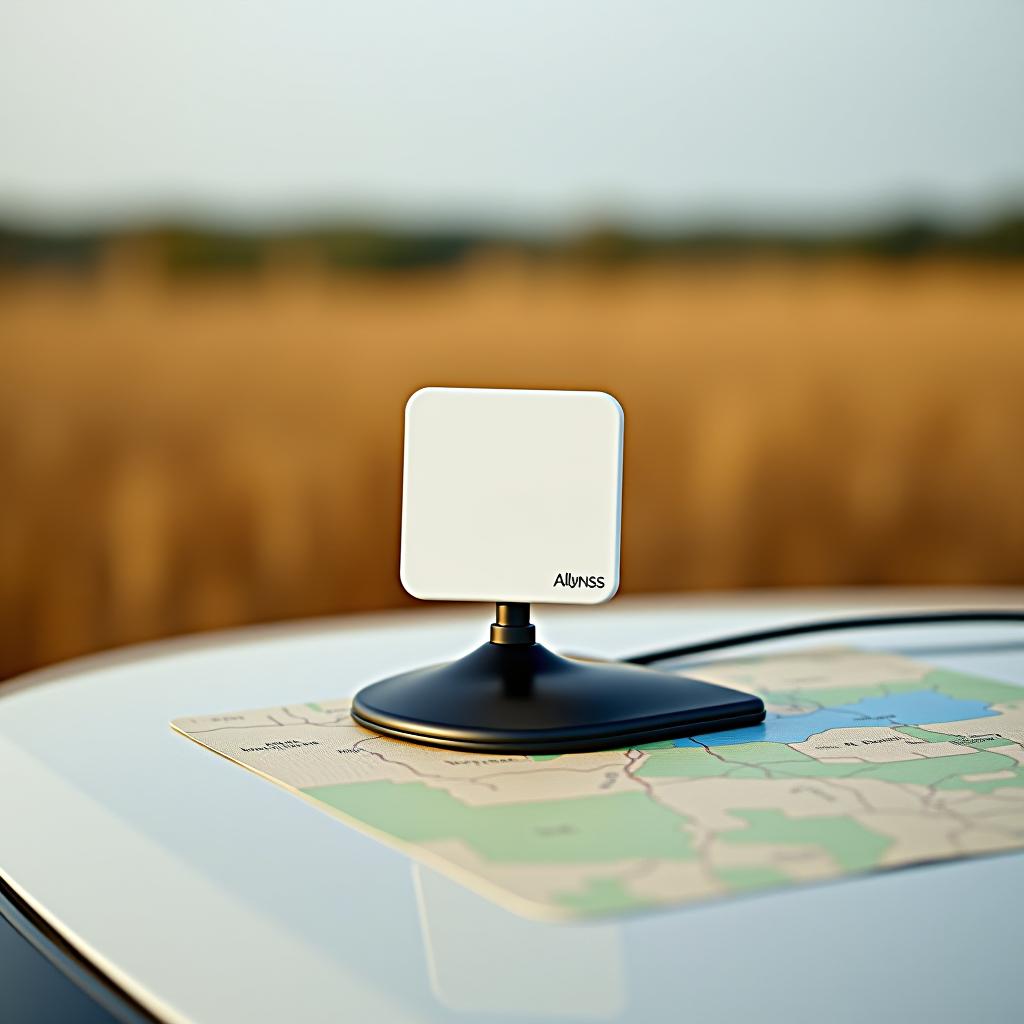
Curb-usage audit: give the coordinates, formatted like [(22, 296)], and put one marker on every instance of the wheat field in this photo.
[(187, 454)]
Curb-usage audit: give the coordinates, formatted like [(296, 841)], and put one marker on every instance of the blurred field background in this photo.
[(191, 449), (200, 425)]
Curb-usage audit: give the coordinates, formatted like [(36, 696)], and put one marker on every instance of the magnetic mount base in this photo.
[(514, 696)]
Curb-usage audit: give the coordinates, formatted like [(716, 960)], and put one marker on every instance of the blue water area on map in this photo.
[(923, 707)]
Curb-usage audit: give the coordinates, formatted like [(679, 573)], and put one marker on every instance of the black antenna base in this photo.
[(514, 696)]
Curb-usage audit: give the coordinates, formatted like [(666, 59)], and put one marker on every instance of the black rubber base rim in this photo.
[(510, 745)]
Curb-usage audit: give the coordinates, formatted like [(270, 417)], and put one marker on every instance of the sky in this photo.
[(518, 114)]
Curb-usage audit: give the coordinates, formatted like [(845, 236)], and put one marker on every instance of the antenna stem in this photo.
[(512, 624)]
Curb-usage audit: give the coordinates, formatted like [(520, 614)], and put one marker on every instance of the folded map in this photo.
[(866, 761)]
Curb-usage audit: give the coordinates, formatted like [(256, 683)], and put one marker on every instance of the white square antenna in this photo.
[(515, 497), (512, 495)]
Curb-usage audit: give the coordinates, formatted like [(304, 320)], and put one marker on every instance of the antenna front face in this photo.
[(512, 495)]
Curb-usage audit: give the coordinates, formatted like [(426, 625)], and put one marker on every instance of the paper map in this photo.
[(866, 761)]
